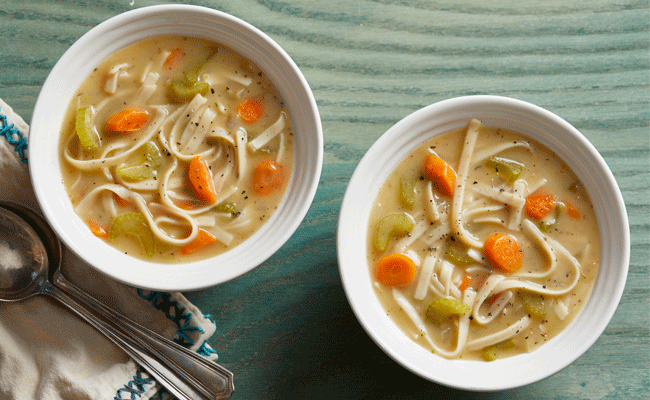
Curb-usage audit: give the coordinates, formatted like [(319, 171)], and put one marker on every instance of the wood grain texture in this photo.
[(285, 329)]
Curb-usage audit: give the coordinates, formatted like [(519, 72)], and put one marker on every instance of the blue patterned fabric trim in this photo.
[(205, 350), (14, 137), (163, 302), (142, 382), (136, 387)]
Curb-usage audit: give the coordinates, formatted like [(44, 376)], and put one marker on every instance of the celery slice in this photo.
[(191, 76), (227, 208), (88, 136), (182, 92), (457, 253), (391, 225), (440, 310), (533, 304), (134, 225), (407, 192), (546, 225), (149, 164), (490, 353), (508, 170)]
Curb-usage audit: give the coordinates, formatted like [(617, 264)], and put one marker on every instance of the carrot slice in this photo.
[(268, 176), (173, 58), (491, 299), (120, 201), (96, 228), (250, 110), (187, 204), (203, 239), (201, 179), (571, 210), (539, 203), (395, 270), (127, 121), (502, 252), (441, 174), (480, 282), (464, 284)]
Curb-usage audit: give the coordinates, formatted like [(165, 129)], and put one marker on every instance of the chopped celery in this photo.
[(134, 225), (150, 162), (546, 224), (533, 304), (407, 192), (391, 225), (182, 92), (191, 76), (457, 253), (490, 353), (227, 208), (88, 136), (440, 310), (508, 170), (185, 89)]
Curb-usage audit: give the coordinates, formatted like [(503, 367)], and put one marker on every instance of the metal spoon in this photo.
[(30, 266)]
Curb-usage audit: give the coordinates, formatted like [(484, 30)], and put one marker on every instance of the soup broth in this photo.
[(176, 149), (482, 244)]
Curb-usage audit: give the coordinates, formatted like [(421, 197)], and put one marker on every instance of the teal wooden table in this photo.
[(286, 329)]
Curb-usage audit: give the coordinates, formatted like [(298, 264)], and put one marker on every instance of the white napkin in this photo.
[(47, 352)]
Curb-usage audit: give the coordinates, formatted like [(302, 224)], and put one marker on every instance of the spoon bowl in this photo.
[(24, 259)]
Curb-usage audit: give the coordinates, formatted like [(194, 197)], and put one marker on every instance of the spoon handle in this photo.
[(184, 373)]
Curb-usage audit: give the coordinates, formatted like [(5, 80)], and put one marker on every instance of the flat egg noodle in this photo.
[(500, 336), (184, 126), (455, 219), (425, 274), (269, 133), (462, 329), (191, 143), (431, 203), (519, 189), (481, 156), (240, 143), (141, 205)]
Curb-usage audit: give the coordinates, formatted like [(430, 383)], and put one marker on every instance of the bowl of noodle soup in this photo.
[(189, 152), (448, 262)]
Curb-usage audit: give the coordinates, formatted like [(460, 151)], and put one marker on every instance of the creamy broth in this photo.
[(137, 181), (507, 311)]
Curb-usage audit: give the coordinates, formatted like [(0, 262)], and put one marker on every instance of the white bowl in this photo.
[(123, 30), (570, 145)]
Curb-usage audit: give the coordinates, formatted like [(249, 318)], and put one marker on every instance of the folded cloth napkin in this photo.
[(46, 351)]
